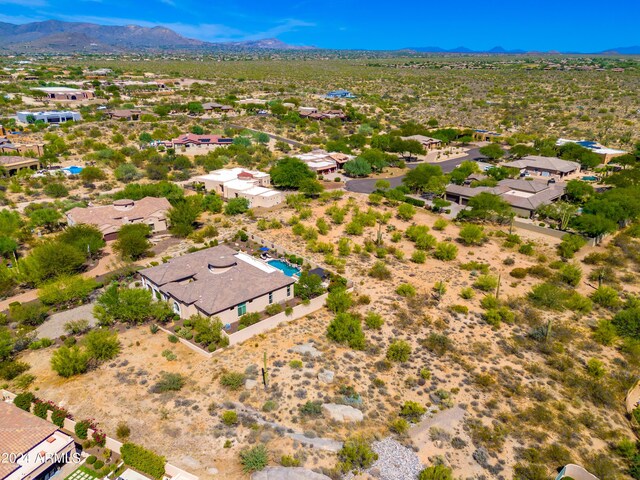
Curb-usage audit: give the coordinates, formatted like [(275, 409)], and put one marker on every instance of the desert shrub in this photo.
[(380, 271), (437, 343), (399, 426), (346, 328), (102, 344), (467, 293), (66, 289), (406, 211), (412, 411), (374, 321), (273, 309), (539, 271), (605, 332), (446, 251), (406, 290), (418, 256), (436, 472), (489, 301), (526, 249), (606, 297), (229, 418), (91, 459), (548, 296), (495, 316), (41, 343), (518, 272), (123, 431), (98, 465), (24, 400), (570, 274), (69, 361), (76, 327), (11, 369), (399, 351), (168, 382), (475, 267), (143, 460), (355, 455), (30, 314), (486, 283), (471, 234), (232, 380), (440, 224), (254, 459), (311, 408), (269, 406), (463, 309), (339, 300), (296, 364), (289, 461), (41, 409), (569, 245)]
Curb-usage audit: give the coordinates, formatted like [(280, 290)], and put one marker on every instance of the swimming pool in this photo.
[(73, 170), (590, 179), (286, 269)]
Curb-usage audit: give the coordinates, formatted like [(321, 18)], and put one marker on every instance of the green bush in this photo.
[(66, 289), (399, 426), (289, 461), (380, 271), (345, 328), (606, 297), (463, 309), (229, 418), (143, 460), (24, 400), (70, 361), (471, 234), (569, 245), (41, 409), (82, 428), (296, 364), (374, 321), (486, 283), (39, 344), (518, 272), (436, 472), (445, 251), (412, 411), (399, 351), (406, 290), (254, 459), (311, 409), (98, 465), (273, 309), (91, 459), (248, 319), (232, 380), (356, 455), (168, 382), (102, 344), (418, 256), (11, 369)]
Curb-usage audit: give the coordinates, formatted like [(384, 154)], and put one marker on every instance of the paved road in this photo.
[(368, 185)]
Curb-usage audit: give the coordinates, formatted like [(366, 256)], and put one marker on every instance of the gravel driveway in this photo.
[(54, 326)]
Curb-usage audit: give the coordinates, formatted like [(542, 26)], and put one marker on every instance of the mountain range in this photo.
[(54, 36)]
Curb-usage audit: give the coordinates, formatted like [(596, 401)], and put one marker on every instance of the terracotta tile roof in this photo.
[(20, 431)]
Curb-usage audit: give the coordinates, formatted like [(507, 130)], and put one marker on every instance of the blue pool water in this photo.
[(280, 265), (590, 179), (73, 170)]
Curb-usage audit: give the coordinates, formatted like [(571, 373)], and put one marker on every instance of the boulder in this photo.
[(250, 384), (326, 376), (307, 348), (288, 473), (342, 413)]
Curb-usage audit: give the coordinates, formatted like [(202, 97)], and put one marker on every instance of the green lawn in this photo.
[(82, 473)]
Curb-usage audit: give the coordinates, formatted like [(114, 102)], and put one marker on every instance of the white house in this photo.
[(241, 183)]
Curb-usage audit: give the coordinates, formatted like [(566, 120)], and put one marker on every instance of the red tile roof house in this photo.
[(35, 449), (109, 218), (191, 140)]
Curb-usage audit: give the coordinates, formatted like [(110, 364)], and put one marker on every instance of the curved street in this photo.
[(368, 185)]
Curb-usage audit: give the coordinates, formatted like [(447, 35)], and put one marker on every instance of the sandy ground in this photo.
[(179, 425)]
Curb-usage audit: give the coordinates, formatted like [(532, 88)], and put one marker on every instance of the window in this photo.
[(288, 290), (242, 309), (176, 307), (270, 298)]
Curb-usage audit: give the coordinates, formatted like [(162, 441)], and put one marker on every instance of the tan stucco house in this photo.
[(218, 282)]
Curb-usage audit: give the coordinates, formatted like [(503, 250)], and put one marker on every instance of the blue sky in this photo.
[(567, 25)]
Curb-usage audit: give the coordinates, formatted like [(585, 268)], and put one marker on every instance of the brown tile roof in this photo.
[(190, 280), (545, 163), (20, 431), (109, 218)]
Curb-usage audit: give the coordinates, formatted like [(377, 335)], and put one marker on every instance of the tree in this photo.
[(195, 108), (66, 289), (212, 203), (471, 234), (6, 344), (91, 174), (129, 305), (7, 246), (69, 361), (311, 187), (127, 172), (561, 212), (382, 185), (346, 328), (48, 218), (462, 171), (579, 191), (358, 167), (520, 151), (132, 242), (102, 344), (183, 216), (308, 286), (86, 238), (594, 225), (492, 151), (56, 190), (339, 300), (236, 206), (51, 259), (487, 206), (425, 178), (290, 172)]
